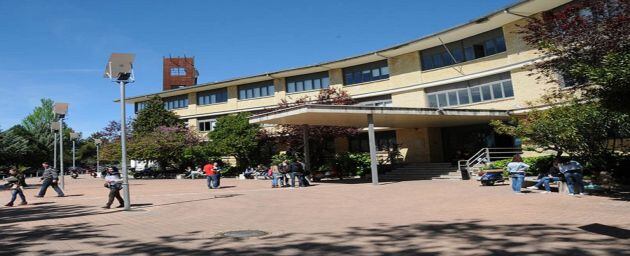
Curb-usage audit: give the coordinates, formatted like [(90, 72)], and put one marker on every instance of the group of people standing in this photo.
[(569, 171), (288, 171)]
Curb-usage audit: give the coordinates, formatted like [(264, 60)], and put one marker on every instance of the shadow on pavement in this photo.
[(444, 238)]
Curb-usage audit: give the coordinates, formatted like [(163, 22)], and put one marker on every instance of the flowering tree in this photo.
[(292, 135), (587, 45)]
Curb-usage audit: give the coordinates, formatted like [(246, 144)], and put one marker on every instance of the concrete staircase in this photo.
[(423, 171)]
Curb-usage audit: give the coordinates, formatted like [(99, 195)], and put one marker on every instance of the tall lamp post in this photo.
[(74, 136), (61, 109), (54, 127), (119, 70), (97, 142)]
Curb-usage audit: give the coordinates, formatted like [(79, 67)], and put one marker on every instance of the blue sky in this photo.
[(58, 49)]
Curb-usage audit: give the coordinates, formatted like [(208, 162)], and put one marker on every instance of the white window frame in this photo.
[(470, 99), (213, 124)]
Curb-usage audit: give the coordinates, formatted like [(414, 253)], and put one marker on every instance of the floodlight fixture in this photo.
[(74, 135), (60, 109), (120, 67), (98, 141), (55, 126)]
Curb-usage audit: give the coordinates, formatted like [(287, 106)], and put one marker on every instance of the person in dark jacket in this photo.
[(114, 183), (296, 169), (49, 178), (552, 175), (15, 182)]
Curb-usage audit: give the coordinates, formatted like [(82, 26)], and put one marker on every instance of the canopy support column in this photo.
[(372, 139), (307, 149)]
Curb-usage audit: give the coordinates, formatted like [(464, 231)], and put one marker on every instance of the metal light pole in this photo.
[(123, 145), (54, 127), (61, 109), (61, 153), (98, 143), (55, 152), (120, 70), (74, 136)]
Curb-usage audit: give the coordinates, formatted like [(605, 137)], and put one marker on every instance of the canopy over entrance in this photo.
[(365, 116)]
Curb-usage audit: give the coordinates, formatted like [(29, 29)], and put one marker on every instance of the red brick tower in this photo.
[(179, 72)]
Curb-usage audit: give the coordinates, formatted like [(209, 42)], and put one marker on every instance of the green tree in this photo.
[(234, 136), (165, 146), (14, 146), (583, 130), (153, 116)]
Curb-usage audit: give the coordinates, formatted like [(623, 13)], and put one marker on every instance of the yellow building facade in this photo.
[(480, 65)]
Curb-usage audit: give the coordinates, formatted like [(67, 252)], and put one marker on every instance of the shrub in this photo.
[(353, 163), (536, 164)]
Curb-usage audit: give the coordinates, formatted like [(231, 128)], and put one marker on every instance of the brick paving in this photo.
[(183, 217)]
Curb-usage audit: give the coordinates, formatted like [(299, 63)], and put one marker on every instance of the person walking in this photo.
[(113, 182), (517, 168), (15, 183), (49, 178), (552, 175)]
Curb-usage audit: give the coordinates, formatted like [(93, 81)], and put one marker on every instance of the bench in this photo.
[(531, 180)]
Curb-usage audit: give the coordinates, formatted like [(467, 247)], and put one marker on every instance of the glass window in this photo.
[(175, 102), (507, 89), (308, 85), (317, 83), (489, 47), (385, 71), (212, 97), (497, 91), (470, 53), (463, 96), (376, 72), (500, 43), (475, 94), (299, 86), (458, 54), (207, 125), (178, 71), (486, 92), (349, 79), (442, 100), (452, 98), (437, 60), (427, 62), (325, 82), (366, 75), (366, 72), (433, 101), (291, 87), (467, 49)]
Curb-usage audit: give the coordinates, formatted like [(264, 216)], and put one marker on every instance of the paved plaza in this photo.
[(183, 217)]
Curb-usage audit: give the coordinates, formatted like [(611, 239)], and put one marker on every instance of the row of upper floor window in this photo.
[(485, 44)]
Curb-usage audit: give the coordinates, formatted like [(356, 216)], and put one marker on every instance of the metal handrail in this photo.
[(484, 156)]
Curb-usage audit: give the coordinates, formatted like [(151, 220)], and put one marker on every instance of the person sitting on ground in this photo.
[(572, 171), (552, 175), (113, 182), (517, 168), (249, 172), (262, 172), (15, 182), (49, 178)]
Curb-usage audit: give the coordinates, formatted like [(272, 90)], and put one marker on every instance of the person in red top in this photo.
[(213, 175)]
